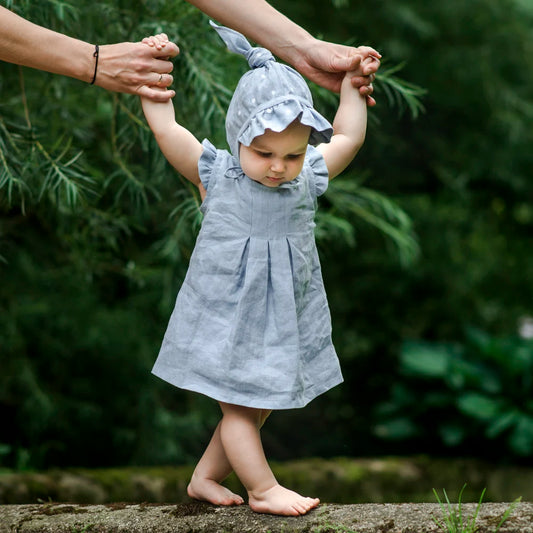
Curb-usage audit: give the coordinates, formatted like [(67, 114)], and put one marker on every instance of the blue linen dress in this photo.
[(251, 325)]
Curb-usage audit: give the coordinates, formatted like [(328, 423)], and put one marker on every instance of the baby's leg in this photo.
[(239, 432), (212, 469)]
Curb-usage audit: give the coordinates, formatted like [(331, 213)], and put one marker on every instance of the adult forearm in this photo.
[(321, 62), (260, 22), (123, 67), (27, 44)]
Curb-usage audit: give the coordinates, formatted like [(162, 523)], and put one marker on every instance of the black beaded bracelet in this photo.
[(95, 55)]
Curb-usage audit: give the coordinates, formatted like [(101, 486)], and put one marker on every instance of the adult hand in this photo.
[(123, 67), (326, 64), (135, 68)]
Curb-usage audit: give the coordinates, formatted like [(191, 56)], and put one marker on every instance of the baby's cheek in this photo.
[(297, 169)]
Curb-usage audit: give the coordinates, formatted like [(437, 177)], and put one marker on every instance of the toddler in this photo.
[(251, 326)]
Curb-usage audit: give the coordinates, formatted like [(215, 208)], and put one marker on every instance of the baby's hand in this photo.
[(366, 73), (158, 41), (370, 60)]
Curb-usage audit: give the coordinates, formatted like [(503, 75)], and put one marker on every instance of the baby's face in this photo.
[(275, 158)]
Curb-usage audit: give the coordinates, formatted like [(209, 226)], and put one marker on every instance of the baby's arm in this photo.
[(349, 128), (180, 147)]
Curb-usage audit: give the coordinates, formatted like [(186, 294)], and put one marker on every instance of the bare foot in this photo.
[(210, 491), (282, 501)]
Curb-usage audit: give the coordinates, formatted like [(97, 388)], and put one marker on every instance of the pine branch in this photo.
[(138, 190), (62, 177), (349, 199), (9, 177), (400, 93)]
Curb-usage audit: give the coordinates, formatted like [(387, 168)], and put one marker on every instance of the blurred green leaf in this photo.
[(521, 439), (396, 429), (503, 422), (474, 391), (478, 406), (425, 359), (452, 434)]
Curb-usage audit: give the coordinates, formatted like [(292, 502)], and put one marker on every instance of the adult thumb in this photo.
[(346, 63)]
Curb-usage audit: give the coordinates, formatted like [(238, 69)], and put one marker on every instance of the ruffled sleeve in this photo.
[(206, 163), (318, 170)]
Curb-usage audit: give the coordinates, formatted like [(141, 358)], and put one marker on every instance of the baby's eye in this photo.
[(263, 154), (294, 156)]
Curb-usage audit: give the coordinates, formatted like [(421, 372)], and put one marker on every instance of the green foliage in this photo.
[(482, 388), (453, 519), (399, 93), (23, 157), (349, 200)]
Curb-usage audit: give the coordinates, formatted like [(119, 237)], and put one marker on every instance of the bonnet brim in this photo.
[(277, 116)]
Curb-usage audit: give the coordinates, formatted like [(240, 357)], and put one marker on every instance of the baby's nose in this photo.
[(277, 165)]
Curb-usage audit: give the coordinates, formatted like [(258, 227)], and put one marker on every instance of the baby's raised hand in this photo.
[(158, 41), (365, 75), (370, 60)]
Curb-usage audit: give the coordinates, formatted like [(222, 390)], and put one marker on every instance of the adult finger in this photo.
[(361, 81), (370, 102), (155, 94), (346, 63), (366, 90), (370, 65), (161, 66), (162, 79), (368, 51)]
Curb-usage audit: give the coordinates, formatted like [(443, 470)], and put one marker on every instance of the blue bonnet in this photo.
[(269, 96)]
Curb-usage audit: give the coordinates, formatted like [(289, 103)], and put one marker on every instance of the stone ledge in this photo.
[(198, 517)]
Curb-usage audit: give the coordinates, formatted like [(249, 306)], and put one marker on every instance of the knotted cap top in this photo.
[(269, 96)]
